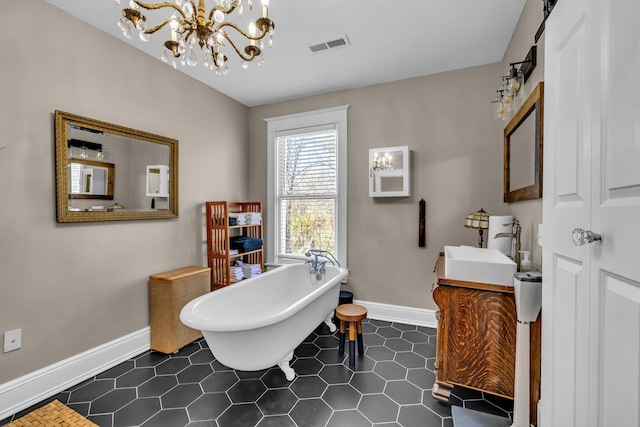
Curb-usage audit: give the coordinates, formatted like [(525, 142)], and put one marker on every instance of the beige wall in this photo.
[(528, 212), (446, 120), (72, 287)]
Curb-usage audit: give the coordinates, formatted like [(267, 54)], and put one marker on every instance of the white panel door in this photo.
[(615, 269), (591, 293), (566, 205)]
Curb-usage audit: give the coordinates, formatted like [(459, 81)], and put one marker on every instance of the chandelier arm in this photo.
[(160, 6), (240, 54), (193, 5), (221, 9), (166, 21), (161, 25), (241, 31)]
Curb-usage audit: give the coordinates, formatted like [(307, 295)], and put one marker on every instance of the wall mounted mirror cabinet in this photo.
[(158, 180), (389, 172), (107, 172), (523, 147)]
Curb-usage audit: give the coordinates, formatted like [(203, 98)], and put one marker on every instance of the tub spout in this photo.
[(289, 373)]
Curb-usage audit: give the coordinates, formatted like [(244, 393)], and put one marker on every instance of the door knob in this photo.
[(580, 236)]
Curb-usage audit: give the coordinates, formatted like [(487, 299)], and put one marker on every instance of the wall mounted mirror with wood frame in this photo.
[(523, 149)]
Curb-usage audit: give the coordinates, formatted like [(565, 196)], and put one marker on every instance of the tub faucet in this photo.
[(515, 241), (316, 266)]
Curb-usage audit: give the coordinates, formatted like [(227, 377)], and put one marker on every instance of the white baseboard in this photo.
[(34, 387), (400, 314)]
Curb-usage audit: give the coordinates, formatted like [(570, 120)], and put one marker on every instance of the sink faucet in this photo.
[(515, 241)]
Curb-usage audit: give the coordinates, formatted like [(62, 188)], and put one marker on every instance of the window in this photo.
[(307, 185)]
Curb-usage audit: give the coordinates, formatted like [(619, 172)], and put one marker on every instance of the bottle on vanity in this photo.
[(525, 264)]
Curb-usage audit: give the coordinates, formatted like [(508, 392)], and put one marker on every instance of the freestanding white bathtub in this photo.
[(257, 323)]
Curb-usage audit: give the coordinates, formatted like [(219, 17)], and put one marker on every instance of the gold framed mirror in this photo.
[(523, 150), (101, 171)]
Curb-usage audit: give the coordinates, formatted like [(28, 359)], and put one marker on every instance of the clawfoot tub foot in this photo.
[(329, 322), (289, 373)]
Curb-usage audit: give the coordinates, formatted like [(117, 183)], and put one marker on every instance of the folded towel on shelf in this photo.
[(245, 218), (251, 270), (245, 243), (253, 217), (236, 273), (237, 218)]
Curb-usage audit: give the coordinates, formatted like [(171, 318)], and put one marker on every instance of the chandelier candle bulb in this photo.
[(252, 31)]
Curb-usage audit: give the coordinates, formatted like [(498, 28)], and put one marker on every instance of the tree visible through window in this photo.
[(307, 191)]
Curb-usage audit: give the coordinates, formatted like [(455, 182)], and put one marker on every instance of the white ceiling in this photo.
[(390, 40)]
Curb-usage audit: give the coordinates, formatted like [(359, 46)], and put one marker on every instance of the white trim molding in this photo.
[(400, 314), (36, 386)]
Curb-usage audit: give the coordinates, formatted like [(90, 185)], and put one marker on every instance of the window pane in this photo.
[(307, 223), (307, 164)]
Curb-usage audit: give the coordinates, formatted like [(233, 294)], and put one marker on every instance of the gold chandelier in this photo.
[(190, 25)]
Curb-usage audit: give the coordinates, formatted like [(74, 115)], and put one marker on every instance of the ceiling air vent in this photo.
[(331, 44)]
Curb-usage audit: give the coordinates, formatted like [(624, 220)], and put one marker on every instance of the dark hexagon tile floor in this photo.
[(389, 386)]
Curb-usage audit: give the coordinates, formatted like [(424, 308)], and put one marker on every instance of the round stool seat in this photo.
[(351, 312)]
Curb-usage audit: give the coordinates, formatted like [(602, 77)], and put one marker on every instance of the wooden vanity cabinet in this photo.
[(476, 339)]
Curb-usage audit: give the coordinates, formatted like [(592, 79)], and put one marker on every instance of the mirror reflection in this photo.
[(90, 179), (522, 147), (158, 181), (102, 172), (523, 142)]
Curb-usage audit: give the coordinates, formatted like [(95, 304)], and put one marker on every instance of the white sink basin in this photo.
[(480, 265)]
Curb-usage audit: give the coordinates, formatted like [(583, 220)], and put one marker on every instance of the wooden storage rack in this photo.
[(219, 233)]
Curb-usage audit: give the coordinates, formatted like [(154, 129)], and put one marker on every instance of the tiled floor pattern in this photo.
[(389, 386)]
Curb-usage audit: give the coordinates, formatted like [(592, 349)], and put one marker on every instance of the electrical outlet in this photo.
[(12, 340)]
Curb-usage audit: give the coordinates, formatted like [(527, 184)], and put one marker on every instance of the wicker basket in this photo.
[(168, 293)]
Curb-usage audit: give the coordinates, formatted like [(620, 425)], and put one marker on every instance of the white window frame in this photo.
[(334, 118)]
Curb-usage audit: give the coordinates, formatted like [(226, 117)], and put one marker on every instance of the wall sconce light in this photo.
[(478, 220), (382, 163), (84, 147), (512, 83)]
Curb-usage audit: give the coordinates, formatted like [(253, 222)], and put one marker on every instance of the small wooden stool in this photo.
[(353, 314)]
